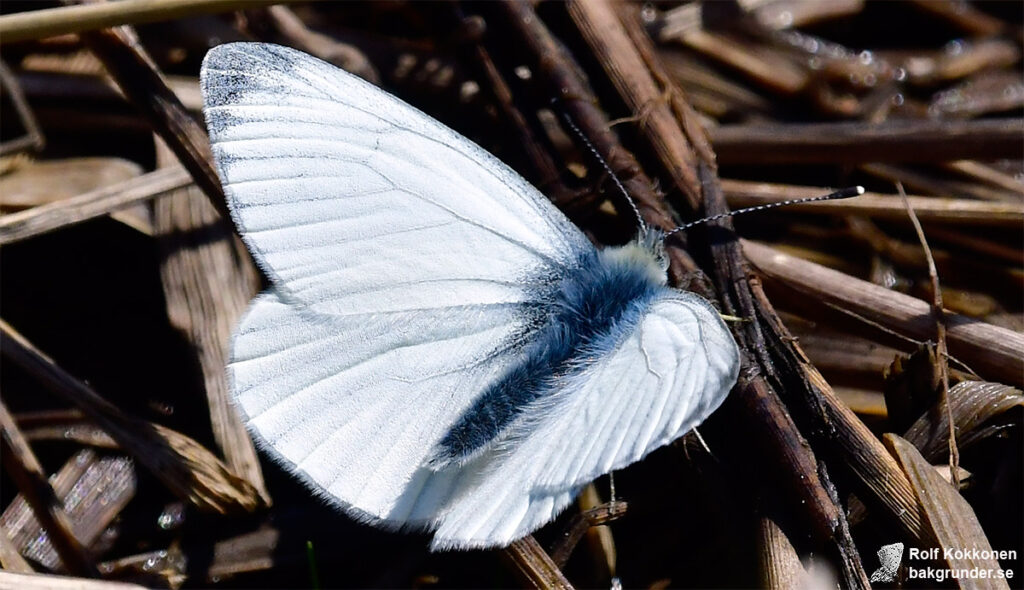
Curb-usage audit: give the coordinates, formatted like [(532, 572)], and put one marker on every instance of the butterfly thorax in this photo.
[(590, 310), (646, 252)]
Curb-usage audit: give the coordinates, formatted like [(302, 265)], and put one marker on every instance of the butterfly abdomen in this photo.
[(592, 309)]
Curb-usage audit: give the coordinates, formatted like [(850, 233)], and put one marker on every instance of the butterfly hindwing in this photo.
[(352, 403), (655, 386)]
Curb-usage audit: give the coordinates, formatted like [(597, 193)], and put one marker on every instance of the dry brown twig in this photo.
[(33, 138), (182, 464), (534, 565), (143, 85), (995, 353), (896, 141), (963, 212)]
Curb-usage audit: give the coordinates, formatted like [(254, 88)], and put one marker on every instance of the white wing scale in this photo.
[(401, 255)]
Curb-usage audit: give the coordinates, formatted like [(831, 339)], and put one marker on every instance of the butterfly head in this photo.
[(647, 251)]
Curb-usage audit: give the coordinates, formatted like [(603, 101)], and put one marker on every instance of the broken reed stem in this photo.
[(561, 74), (779, 440), (777, 356), (986, 174), (671, 139), (103, 201), (547, 172), (33, 138), (10, 559), (144, 86), (23, 467), (892, 141), (296, 34), (50, 22), (534, 565), (940, 339), (927, 183)]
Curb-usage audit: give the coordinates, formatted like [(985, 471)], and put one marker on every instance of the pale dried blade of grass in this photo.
[(104, 201), (941, 357), (778, 563), (19, 581), (64, 425), (93, 491), (948, 516), (162, 568), (21, 464), (35, 182), (49, 22), (10, 559)]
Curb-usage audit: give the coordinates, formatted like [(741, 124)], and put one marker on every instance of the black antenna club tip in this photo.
[(846, 193)]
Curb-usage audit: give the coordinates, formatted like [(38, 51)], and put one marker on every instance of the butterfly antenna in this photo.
[(604, 164), (845, 193)]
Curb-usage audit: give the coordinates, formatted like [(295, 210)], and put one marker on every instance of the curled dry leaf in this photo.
[(976, 406)]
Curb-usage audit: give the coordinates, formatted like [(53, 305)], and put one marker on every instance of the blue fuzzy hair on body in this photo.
[(584, 317)]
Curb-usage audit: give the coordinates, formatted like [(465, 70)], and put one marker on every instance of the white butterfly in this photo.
[(441, 348)]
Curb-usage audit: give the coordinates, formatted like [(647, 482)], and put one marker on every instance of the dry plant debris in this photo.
[(880, 401)]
